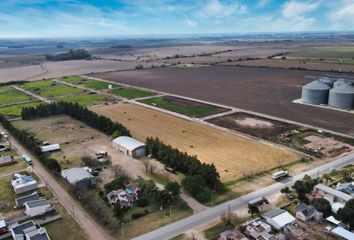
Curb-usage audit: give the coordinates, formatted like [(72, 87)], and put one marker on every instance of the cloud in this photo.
[(191, 23), (295, 8), (345, 12), (262, 3), (217, 9)]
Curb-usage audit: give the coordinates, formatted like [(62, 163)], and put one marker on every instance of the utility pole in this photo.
[(212, 197), (170, 211)]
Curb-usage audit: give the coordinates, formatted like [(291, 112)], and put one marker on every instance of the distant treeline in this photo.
[(12, 83), (71, 55), (74, 110), (182, 162), (31, 144), (121, 46)]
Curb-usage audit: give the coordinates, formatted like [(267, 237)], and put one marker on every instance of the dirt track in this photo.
[(265, 90)]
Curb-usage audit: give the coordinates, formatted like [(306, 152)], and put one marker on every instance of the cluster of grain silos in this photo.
[(325, 91)]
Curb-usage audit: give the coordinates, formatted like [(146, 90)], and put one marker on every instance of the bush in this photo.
[(143, 202), (138, 215)]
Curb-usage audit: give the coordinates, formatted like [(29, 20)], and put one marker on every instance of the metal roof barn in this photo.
[(341, 97), (315, 92), (77, 175), (129, 146)]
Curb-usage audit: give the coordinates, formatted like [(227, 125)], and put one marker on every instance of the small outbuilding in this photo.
[(37, 207), (5, 160), (78, 176), (129, 146), (279, 218), (50, 148), (22, 183)]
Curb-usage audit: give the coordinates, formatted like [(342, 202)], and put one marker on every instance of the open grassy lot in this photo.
[(326, 52), (16, 166), (11, 95), (83, 99), (130, 92), (50, 88), (15, 110), (155, 220), (89, 83), (183, 106), (232, 155), (7, 195)]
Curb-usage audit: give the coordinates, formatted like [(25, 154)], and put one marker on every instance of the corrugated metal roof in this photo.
[(37, 203), (76, 174), (49, 148), (333, 192), (341, 232), (317, 85), (128, 142)]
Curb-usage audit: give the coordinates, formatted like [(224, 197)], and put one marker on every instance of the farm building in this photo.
[(315, 92), (37, 207), (129, 146), (331, 194), (28, 198), (77, 176), (5, 160), (341, 97), (22, 183), (279, 218), (50, 148)]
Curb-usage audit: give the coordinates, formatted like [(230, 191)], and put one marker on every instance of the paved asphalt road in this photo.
[(186, 224)]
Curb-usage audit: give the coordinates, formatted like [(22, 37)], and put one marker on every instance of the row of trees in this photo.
[(182, 162), (28, 140), (74, 110), (71, 55)]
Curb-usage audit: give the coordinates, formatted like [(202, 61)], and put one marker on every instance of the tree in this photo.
[(253, 210), (197, 187), (304, 187), (119, 212), (323, 206), (148, 188), (346, 214), (174, 188), (118, 182)]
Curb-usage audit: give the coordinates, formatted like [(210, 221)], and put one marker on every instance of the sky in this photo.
[(112, 18)]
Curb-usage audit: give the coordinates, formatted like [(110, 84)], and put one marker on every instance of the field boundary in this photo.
[(299, 101)]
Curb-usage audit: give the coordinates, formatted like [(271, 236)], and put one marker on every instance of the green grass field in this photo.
[(11, 95), (88, 83), (192, 109), (49, 88), (325, 52), (7, 195), (15, 110), (83, 99), (130, 92)]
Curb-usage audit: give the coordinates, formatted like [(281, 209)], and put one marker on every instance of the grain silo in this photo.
[(341, 97), (315, 92), (341, 82), (327, 80)]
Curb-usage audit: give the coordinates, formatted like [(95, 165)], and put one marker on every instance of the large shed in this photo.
[(78, 176), (129, 146)]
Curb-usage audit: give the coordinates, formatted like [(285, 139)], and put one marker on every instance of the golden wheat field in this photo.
[(232, 155)]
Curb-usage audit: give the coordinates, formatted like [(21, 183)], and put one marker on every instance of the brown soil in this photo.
[(252, 125), (265, 90)]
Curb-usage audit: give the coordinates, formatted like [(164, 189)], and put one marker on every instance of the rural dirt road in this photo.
[(92, 229)]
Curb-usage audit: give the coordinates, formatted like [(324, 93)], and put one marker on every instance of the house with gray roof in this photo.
[(306, 213), (20, 202), (78, 176), (332, 195), (28, 231), (37, 207)]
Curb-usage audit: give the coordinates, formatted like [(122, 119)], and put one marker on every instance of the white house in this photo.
[(129, 146), (22, 183), (307, 213), (279, 218), (37, 208)]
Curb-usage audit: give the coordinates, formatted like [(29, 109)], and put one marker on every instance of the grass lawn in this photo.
[(326, 52), (17, 165), (155, 220), (15, 111), (49, 88), (192, 109), (130, 92), (65, 228), (83, 99), (11, 95), (89, 83), (7, 195)]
